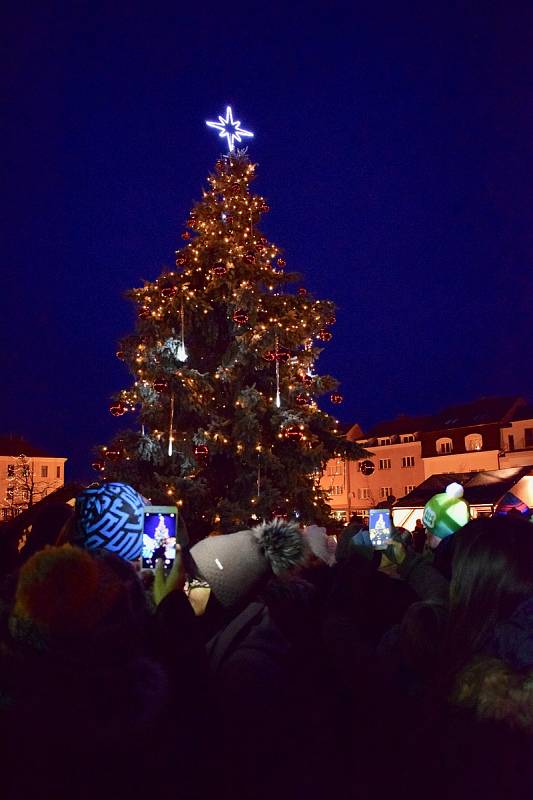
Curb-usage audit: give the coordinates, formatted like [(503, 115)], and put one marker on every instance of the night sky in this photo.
[(395, 150)]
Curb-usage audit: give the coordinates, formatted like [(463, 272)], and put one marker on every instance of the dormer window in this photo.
[(444, 446), (384, 440), (474, 441)]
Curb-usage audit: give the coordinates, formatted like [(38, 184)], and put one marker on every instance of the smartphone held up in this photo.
[(380, 528), (159, 535)]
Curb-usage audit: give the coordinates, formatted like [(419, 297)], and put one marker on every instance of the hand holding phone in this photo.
[(174, 581)]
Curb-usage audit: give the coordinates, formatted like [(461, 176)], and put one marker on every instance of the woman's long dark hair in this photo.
[(492, 574)]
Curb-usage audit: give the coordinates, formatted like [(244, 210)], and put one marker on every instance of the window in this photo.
[(511, 442), (58, 472), (474, 441), (6, 513), (384, 463), (25, 471), (334, 467), (10, 470), (410, 437), (409, 488), (408, 461), (44, 472), (385, 491), (364, 493), (385, 440), (528, 433), (444, 446), (10, 493), (336, 490), (26, 494)]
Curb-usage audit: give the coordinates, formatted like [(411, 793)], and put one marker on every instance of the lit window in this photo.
[(474, 441), (58, 472), (44, 472), (10, 470), (10, 493), (444, 446), (384, 463), (408, 461)]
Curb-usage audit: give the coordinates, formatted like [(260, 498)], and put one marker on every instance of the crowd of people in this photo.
[(275, 662)]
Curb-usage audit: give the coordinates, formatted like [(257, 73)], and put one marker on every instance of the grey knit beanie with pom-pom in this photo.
[(236, 564)]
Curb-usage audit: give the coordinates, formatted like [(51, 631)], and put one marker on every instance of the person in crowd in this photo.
[(444, 514), (231, 569), (479, 725), (419, 537)]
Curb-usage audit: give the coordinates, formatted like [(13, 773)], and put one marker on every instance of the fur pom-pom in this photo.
[(282, 543)]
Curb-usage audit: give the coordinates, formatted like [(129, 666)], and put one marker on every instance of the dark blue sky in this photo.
[(395, 150)]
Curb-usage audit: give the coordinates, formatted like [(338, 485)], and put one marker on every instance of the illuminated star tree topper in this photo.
[(229, 128)]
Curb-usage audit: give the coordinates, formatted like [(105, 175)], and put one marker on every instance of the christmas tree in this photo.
[(225, 389)]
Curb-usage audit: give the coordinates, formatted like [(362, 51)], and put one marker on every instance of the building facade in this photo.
[(27, 474), (488, 434)]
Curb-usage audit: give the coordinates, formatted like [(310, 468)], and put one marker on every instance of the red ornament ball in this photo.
[(301, 400), (324, 335), (121, 355), (282, 355), (201, 450), (161, 385), (112, 455), (240, 317), (249, 257), (169, 291), (180, 261), (302, 291), (282, 263), (293, 433), (269, 355), (117, 409), (98, 465), (307, 380), (144, 313), (336, 398), (186, 235), (220, 269)]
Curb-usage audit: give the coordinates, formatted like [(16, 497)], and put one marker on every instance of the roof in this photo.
[(64, 494), (402, 424), (523, 412), (478, 412), (480, 488), (16, 446)]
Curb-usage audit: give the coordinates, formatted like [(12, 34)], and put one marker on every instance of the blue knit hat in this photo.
[(110, 517)]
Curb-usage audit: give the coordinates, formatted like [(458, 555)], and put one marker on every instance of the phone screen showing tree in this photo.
[(159, 538), (380, 528)]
